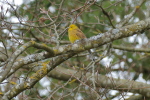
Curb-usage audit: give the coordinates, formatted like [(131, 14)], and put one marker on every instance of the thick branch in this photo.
[(30, 82), (27, 60), (103, 81), (146, 50)]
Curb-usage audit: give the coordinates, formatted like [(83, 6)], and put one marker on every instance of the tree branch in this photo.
[(30, 82), (102, 81)]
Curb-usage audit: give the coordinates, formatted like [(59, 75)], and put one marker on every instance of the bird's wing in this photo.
[(80, 34)]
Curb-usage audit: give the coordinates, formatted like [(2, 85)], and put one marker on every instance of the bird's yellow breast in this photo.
[(73, 36)]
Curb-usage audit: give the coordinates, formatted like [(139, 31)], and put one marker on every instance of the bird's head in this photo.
[(72, 27)]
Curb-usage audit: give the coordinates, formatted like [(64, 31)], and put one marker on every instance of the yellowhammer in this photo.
[(75, 33)]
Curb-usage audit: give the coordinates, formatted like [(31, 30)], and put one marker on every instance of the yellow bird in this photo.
[(75, 33)]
